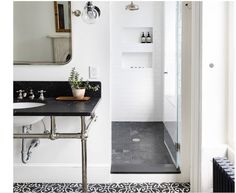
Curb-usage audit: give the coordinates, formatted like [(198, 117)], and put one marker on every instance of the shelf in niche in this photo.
[(136, 60), (138, 47), (132, 35)]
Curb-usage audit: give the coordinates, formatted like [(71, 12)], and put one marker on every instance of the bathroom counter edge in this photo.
[(53, 107)]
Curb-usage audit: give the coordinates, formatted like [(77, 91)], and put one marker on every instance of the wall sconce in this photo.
[(76, 12), (89, 14)]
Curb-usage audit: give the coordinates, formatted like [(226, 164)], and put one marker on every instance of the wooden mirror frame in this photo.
[(56, 12)]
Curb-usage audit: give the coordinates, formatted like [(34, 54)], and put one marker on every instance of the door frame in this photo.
[(196, 100)]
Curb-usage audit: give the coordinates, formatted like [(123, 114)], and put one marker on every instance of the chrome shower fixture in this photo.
[(132, 6), (90, 13)]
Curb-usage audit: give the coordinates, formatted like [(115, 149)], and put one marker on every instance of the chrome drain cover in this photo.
[(136, 140)]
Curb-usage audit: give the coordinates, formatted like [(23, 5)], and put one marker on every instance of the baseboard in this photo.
[(231, 155), (71, 173), (56, 173)]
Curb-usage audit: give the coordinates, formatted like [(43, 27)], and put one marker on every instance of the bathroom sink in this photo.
[(26, 120), (25, 105)]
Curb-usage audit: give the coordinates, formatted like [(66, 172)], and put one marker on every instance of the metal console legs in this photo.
[(83, 137), (54, 135), (84, 154)]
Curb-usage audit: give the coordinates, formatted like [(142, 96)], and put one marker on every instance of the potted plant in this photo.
[(79, 86)]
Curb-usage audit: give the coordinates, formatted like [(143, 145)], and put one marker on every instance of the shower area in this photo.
[(146, 86)]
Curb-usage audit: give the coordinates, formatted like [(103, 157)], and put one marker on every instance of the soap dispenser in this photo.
[(143, 39), (149, 38)]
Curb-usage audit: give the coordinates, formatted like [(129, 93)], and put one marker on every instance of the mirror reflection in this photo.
[(42, 33), (62, 16)]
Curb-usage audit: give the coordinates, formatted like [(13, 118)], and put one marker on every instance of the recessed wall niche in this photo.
[(132, 35), (136, 55), (136, 60)]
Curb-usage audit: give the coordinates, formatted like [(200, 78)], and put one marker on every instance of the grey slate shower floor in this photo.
[(138, 147)]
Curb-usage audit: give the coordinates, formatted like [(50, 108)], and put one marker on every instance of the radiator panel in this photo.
[(223, 175)]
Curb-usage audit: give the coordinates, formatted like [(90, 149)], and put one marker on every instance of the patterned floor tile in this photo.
[(101, 188)]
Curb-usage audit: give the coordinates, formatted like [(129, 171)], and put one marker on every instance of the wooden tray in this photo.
[(71, 98)]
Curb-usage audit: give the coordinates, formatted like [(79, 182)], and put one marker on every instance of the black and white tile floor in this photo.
[(101, 188)]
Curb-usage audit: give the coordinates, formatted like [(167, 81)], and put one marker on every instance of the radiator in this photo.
[(223, 175)]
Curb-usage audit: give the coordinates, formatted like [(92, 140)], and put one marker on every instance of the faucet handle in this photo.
[(20, 96), (41, 97), (41, 91), (20, 91), (31, 94)]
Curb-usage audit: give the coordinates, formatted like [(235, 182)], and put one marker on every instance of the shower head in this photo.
[(132, 6)]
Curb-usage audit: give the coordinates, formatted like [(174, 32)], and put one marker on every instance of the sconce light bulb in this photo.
[(90, 13)]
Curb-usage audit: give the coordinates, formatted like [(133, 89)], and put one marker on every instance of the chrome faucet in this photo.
[(21, 94), (31, 94), (41, 97)]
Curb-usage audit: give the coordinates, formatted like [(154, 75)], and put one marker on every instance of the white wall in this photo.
[(231, 81), (214, 87), (59, 161), (63, 156), (136, 93), (214, 79)]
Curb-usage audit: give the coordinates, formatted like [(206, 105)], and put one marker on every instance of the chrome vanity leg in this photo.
[(84, 154), (53, 128), (23, 147)]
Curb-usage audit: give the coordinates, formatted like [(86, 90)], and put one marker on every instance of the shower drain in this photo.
[(136, 140)]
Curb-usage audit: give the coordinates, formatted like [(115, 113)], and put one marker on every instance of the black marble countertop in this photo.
[(54, 107)]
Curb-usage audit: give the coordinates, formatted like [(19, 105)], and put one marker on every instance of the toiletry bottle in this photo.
[(143, 39), (148, 38)]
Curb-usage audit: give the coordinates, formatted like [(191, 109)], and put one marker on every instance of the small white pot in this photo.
[(78, 93)]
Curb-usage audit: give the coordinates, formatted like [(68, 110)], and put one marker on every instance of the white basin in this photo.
[(26, 105), (20, 121)]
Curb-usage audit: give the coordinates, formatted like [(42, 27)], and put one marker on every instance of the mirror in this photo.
[(62, 16), (42, 32)]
